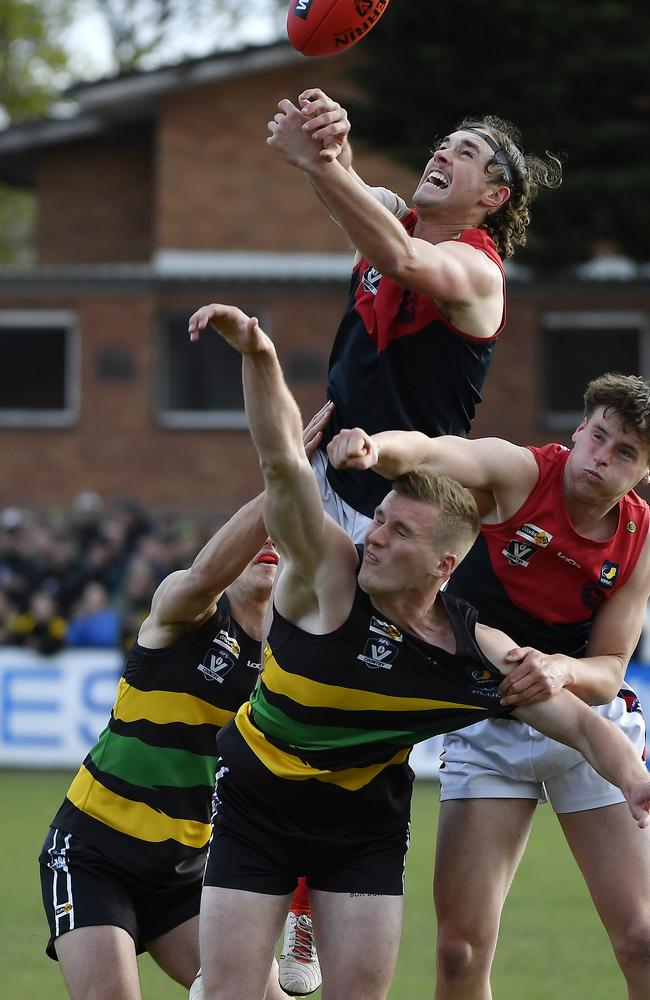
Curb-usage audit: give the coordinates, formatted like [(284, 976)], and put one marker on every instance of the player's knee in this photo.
[(632, 946), (460, 957)]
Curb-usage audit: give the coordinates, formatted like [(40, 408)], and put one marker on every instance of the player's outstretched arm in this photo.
[(570, 721), (482, 464), (317, 551)]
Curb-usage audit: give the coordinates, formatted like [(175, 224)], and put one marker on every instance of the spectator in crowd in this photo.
[(95, 623), (40, 628)]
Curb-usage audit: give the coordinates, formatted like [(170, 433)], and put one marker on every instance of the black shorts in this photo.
[(82, 888), (259, 849)]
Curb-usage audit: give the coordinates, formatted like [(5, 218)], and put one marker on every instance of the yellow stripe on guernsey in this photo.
[(313, 694), (161, 707), (285, 765), (133, 818)]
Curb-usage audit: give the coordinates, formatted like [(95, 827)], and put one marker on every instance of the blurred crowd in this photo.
[(84, 577)]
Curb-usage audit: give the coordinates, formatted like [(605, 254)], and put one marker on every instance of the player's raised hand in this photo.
[(352, 449), (288, 138), (325, 121), (241, 331), (312, 433), (638, 799)]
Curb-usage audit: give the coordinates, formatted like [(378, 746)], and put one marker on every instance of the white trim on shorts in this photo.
[(353, 523), (503, 758), (63, 909)]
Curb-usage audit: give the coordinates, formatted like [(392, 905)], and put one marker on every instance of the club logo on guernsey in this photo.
[(381, 645), (220, 658), (370, 280)]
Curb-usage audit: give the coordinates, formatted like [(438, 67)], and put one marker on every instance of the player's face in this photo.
[(456, 175), (399, 549), (261, 570), (608, 458)]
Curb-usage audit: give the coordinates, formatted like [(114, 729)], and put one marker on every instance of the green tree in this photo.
[(32, 67), (140, 30), (573, 78)]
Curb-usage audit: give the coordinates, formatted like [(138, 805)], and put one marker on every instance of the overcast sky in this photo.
[(87, 42)]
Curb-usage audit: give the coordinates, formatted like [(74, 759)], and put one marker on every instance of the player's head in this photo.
[(626, 395), (612, 443), (514, 178), (419, 534)]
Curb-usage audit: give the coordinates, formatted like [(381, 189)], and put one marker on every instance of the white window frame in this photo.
[(38, 319)]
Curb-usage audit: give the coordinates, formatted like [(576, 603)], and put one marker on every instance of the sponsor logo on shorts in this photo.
[(370, 280), (518, 553), (62, 909), (538, 536), (608, 574), (57, 862)]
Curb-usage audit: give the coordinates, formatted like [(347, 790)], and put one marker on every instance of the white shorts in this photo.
[(505, 759), (352, 522)]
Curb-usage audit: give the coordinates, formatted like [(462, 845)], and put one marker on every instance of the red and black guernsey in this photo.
[(142, 796), (398, 364), (536, 578), (329, 728)]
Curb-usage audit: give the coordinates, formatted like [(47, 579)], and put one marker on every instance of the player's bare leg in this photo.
[(177, 952), (357, 938), (99, 963), (480, 845), (614, 857), (238, 934)]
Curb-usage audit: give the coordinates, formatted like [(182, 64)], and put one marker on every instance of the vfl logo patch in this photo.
[(381, 646), (608, 574), (518, 553), (301, 9), (370, 280), (218, 662), (534, 534), (379, 653)]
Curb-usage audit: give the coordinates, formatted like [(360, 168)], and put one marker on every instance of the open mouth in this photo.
[(438, 179), (268, 558)]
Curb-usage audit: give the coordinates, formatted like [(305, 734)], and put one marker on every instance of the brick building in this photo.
[(159, 194)]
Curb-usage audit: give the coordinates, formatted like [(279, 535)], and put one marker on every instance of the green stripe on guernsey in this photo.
[(128, 758), (313, 694), (279, 726), (162, 707)]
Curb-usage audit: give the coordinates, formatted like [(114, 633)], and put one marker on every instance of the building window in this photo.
[(39, 368), (199, 383), (579, 346)]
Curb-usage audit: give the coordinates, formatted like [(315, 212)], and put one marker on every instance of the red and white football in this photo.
[(325, 27)]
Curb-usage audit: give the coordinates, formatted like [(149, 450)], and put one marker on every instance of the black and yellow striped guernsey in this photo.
[(143, 794), (329, 728)]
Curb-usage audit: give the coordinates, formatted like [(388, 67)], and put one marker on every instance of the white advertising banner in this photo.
[(52, 709)]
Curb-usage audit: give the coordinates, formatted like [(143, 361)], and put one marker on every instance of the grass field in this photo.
[(552, 944)]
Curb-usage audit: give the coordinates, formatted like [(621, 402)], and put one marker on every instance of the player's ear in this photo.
[(495, 198), (581, 426)]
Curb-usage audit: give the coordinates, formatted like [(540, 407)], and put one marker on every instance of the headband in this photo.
[(499, 153)]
